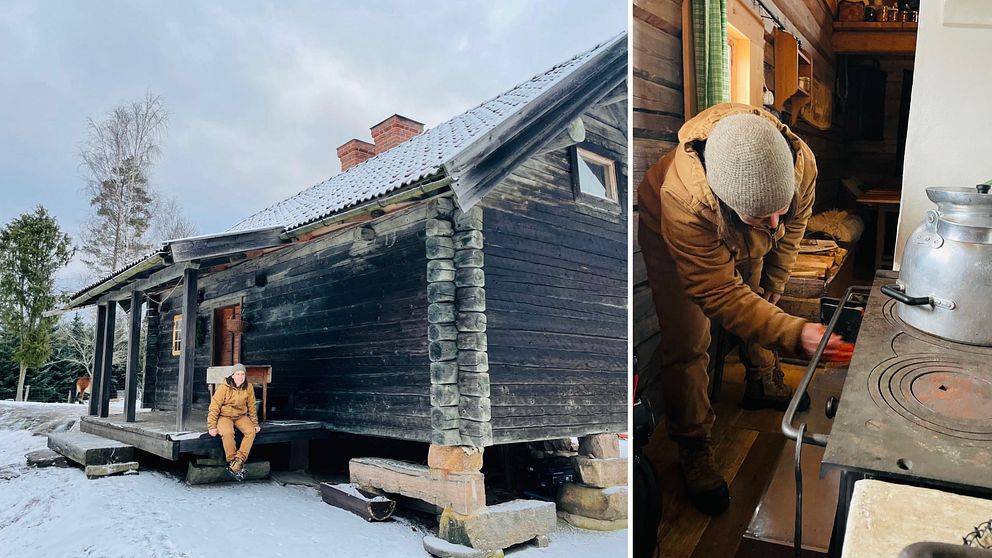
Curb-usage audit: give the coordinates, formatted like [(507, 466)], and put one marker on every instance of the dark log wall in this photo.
[(150, 374), (342, 321), (556, 296), (658, 114)]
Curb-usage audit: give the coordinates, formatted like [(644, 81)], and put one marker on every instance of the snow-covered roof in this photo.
[(417, 158), (474, 150)]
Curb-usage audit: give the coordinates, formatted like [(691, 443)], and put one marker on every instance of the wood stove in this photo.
[(915, 409)]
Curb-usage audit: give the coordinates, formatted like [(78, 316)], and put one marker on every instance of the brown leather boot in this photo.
[(707, 489), (237, 465), (767, 390)]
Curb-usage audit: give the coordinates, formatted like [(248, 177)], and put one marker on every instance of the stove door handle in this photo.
[(894, 290)]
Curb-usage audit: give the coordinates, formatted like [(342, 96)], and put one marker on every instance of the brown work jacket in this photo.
[(232, 402), (712, 258)]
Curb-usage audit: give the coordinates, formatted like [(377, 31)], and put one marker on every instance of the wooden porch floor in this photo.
[(757, 461), (155, 432)]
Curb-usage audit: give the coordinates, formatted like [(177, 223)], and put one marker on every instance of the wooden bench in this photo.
[(255, 374)]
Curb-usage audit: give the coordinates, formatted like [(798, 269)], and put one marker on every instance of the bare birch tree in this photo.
[(169, 222), (119, 154)]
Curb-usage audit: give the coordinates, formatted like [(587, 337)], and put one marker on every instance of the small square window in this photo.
[(177, 334), (596, 175)]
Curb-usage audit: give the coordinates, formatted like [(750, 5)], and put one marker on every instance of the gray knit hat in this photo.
[(749, 165)]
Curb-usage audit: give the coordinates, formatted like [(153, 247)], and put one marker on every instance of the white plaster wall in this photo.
[(949, 138)]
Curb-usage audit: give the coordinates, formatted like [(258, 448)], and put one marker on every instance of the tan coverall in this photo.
[(231, 408), (699, 269)]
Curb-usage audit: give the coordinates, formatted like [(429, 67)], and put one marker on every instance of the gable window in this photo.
[(594, 175), (177, 334)]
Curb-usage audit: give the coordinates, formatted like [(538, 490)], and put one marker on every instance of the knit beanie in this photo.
[(749, 165)]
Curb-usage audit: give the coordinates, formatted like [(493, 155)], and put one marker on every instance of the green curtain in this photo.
[(712, 55)]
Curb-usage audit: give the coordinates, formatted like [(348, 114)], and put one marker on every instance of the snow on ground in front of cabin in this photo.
[(59, 512)]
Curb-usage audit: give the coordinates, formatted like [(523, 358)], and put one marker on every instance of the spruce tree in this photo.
[(32, 249)]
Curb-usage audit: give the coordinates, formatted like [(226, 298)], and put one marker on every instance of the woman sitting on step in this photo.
[(233, 406)]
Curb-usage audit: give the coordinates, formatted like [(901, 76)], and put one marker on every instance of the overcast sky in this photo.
[(259, 94)]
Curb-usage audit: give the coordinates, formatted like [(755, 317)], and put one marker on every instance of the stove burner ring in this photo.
[(891, 312), (936, 392)]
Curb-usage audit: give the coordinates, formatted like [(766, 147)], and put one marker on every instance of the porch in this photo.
[(155, 432)]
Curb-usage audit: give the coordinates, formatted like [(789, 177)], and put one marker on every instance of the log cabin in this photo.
[(464, 285), (877, 90)]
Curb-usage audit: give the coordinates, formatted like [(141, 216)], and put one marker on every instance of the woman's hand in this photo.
[(837, 350), (772, 297), (212, 431), (258, 429)]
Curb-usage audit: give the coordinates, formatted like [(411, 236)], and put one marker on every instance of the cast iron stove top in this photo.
[(915, 407)]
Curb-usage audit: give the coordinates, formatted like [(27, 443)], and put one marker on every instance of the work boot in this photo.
[(708, 491), (236, 468), (768, 391)]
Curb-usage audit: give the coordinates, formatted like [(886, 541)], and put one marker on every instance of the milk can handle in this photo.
[(895, 291)]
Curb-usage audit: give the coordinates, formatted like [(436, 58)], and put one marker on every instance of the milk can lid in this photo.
[(978, 195)]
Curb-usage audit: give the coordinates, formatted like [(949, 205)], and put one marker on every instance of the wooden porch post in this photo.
[(133, 342), (107, 371), (184, 394), (101, 320)]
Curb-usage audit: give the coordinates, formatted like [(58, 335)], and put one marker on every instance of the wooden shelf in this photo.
[(875, 26), (874, 37), (793, 66)]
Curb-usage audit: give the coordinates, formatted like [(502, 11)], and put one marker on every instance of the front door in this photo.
[(227, 336)]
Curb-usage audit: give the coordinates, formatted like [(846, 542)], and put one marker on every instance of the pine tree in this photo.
[(32, 249), (123, 215), (119, 154)]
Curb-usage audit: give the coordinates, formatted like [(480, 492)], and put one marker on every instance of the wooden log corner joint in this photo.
[(456, 332)]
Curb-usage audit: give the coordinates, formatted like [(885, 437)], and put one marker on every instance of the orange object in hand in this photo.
[(837, 350)]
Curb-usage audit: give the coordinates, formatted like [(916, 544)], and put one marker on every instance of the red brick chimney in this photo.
[(354, 152), (393, 131)]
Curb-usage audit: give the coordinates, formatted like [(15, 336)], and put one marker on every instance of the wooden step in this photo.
[(90, 449)]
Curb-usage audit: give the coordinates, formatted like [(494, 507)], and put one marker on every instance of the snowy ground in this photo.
[(58, 512)]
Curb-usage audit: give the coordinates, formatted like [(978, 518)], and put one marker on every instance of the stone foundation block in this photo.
[(607, 504), (600, 446), (95, 471), (454, 458), (602, 473), (45, 458), (444, 549), (199, 473), (500, 526), (592, 524)]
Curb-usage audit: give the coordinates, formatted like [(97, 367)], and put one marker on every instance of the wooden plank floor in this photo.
[(749, 451)]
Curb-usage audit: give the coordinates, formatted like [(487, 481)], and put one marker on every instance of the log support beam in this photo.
[(133, 350), (184, 398), (95, 377), (101, 392)]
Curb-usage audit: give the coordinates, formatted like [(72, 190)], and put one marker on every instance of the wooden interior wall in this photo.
[(877, 163), (812, 22), (658, 114), (556, 296), (342, 321)]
